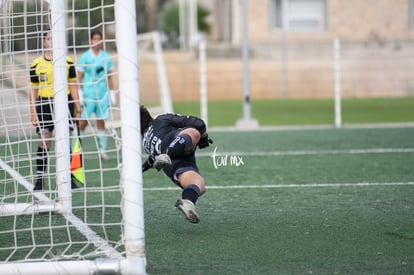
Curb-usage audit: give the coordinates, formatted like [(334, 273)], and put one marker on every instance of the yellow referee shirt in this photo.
[(41, 75)]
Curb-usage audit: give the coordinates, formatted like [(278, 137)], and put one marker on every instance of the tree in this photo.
[(170, 22)]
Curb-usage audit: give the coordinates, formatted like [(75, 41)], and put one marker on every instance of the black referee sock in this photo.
[(178, 146), (192, 193), (41, 160)]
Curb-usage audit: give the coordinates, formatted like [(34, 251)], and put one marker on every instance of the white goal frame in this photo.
[(152, 40), (133, 260)]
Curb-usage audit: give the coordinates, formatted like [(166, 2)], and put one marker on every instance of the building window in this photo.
[(298, 15), (412, 14)]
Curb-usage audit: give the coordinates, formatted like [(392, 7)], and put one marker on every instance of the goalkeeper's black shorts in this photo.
[(179, 166)]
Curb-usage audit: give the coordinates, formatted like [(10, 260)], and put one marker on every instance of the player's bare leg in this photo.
[(102, 139)]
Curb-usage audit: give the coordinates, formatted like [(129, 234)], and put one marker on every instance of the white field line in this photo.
[(314, 127), (216, 153), (282, 153), (308, 185), (309, 152)]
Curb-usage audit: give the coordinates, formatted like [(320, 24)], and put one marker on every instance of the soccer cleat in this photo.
[(161, 161), (39, 184), (188, 209), (103, 156)]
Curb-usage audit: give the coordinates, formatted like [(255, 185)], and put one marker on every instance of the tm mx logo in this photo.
[(226, 160)]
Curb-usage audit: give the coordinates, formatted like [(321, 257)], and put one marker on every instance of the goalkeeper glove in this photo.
[(80, 95), (204, 142), (112, 95)]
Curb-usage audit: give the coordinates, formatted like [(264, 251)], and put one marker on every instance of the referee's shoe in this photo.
[(39, 184)]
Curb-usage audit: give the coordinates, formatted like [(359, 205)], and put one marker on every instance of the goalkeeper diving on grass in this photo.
[(171, 140)]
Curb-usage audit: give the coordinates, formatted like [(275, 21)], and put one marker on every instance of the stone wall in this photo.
[(292, 71), (367, 70)]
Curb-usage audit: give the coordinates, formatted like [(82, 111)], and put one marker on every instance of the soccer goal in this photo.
[(154, 87), (97, 228)]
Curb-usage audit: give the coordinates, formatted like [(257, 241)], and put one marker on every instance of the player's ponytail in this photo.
[(146, 119)]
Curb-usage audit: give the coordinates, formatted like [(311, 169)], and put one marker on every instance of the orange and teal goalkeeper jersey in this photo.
[(41, 75)]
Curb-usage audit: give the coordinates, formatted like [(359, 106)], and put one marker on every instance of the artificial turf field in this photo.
[(299, 201), (304, 200), (322, 201)]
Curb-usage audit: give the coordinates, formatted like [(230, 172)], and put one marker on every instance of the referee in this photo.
[(41, 104)]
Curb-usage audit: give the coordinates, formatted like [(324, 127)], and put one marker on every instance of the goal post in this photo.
[(60, 88), (132, 181), (153, 85), (156, 89), (99, 227)]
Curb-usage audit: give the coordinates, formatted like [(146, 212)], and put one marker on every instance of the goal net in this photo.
[(154, 87), (97, 228)]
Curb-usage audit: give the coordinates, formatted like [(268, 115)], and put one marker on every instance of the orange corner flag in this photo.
[(76, 167)]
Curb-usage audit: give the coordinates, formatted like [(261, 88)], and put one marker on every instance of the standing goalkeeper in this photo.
[(170, 140), (95, 73)]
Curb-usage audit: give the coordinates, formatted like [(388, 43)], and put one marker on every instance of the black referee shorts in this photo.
[(45, 114)]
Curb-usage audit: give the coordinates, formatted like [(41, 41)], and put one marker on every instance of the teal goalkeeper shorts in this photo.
[(98, 107)]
